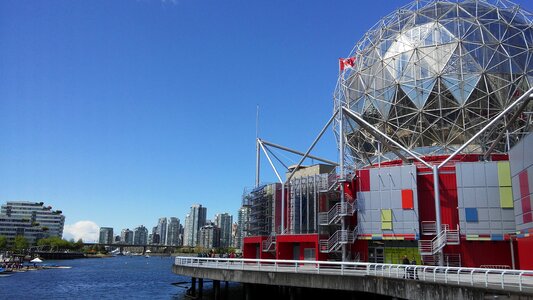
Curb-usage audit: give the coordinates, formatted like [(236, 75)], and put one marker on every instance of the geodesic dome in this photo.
[(431, 74)]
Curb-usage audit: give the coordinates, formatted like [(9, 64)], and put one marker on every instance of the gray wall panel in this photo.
[(395, 178), (384, 179), (469, 197), (459, 175), (374, 180), (493, 197), (483, 214), (516, 156), (385, 199), (509, 226), (515, 181), (495, 214), (507, 215), (492, 174), (467, 175), (481, 198), (479, 175)]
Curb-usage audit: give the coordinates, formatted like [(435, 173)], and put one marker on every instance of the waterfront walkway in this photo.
[(384, 279)]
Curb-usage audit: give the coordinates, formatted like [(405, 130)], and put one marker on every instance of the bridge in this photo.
[(121, 246), (393, 280)]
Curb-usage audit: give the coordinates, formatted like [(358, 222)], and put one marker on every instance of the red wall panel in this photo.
[(525, 248), (448, 198), (477, 253), (363, 177)]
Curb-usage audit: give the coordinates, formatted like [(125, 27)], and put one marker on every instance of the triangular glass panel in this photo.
[(497, 29), (461, 62), (482, 54), (419, 91), (384, 99), (436, 58), (358, 105), (396, 65), (382, 78), (445, 10), (499, 62), (460, 85), (502, 85), (515, 38), (440, 35)]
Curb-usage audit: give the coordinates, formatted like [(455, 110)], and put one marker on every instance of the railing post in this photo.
[(520, 281), (487, 278), (472, 277), (503, 280)]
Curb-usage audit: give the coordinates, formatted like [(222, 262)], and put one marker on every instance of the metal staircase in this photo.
[(339, 238), (443, 238), (336, 212), (270, 243)]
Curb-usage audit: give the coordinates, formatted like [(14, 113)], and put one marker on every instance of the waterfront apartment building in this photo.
[(224, 222), (209, 236), (32, 220), (193, 222), (140, 235), (173, 232), (126, 236), (106, 235), (162, 230)]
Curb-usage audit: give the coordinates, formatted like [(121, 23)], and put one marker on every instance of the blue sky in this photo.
[(121, 112)]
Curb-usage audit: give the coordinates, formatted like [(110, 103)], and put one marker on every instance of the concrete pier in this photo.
[(376, 285)]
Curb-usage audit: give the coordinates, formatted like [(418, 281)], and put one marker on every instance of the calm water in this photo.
[(123, 277)]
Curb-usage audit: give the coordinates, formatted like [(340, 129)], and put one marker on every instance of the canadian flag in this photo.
[(346, 63)]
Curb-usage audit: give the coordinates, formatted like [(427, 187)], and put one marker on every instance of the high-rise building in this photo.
[(209, 236), (32, 220), (193, 222), (242, 225), (173, 232), (234, 232), (155, 237), (140, 235), (126, 236), (106, 235), (224, 222), (162, 230)]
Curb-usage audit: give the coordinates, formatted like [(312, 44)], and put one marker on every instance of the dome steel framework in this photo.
[(433, 73)]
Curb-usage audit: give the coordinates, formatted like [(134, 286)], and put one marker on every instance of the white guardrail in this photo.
[(503, 279)]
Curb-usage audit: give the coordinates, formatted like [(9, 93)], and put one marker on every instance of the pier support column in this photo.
[(247, 291), (226, 290), (216, 289), (200, 288), (193, 286)]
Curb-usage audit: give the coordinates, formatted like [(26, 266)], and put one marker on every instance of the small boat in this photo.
[(57, 267)]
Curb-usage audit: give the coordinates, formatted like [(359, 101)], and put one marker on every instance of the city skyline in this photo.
[(120, 112)]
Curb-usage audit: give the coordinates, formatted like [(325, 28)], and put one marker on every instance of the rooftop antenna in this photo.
[(257, 123), (258, 157)]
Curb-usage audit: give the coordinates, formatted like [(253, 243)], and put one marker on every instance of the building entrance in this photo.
[(376, 255)]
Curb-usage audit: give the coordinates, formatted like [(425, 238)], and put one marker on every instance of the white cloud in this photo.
[(88, 231)]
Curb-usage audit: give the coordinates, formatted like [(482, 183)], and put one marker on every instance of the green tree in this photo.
[(78, 245), (3, 242), (21, 243)]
